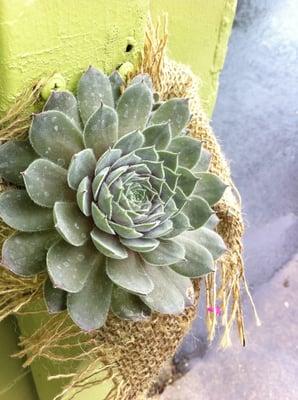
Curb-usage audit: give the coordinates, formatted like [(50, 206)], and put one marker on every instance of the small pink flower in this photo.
[(216, 309)]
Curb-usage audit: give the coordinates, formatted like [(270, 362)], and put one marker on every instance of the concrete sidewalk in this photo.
[(268, 367)]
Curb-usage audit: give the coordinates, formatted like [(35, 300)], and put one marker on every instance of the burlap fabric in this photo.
[(131, 354)]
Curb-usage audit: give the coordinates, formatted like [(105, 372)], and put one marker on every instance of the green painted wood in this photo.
[(15, 382), (199, 31), (39, 37)]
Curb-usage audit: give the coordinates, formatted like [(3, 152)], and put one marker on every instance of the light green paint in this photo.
[(15, 382), (40, 37), (43, 368), (198, 36)]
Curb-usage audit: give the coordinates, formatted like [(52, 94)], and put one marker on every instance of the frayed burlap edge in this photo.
[(131, 354)]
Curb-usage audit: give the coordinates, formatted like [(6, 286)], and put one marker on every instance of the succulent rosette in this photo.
[(112, 201)]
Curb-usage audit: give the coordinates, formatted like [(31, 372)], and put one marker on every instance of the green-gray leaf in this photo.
[(55, 299), (158, 136), (15, 156), (116, 84), (212, 222), (187, 181), (129, 274), (54, 136), (82, 164), (46, 183), (89, 308), (94, 88), (130, 142), (142, 78), (189, 150), (175, 111), (65, 102), (18, 211), (210, 187), (69, 266), (84, 196), (128, 306), (209, 239), (133, 108), (72, 225), (198, 211), (25, 253), (108, 245), (203, 163), (168, 252), (180, 224), (101, 129), (100, 219), (141, 245), (165, 298), (198, 260)]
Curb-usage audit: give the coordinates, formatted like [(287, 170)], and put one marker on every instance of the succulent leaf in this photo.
[(55, 137), (84, 196), (89, 308), (107, 159), (180, 224), (55, 299), (128, 306), (158, 136), (65, 102), (208, 239), (198, 211), (81, 165), (133, 108), (116, 83), (108, 245), (198, 260), (94, 88), (147, 153), (174, 111), (69, 266), (101, 220), (168, 252), (19, 212), (142, 78), (210, 187), (212, 222), (140, 245), (187, 181), (15, 156), (71, 223), (130, 142), (46, 183), (129, 274), (165, 298), (169, 159), (25, 254), (183, 284), (101, 129), (203, 163), (189, 150)]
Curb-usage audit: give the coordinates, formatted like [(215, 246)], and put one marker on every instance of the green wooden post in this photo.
[(39, 37)]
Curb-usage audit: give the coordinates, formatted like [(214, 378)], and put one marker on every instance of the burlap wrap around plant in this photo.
[(131, 354)]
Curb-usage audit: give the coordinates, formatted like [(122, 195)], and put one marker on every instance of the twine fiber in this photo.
[(131, 354)]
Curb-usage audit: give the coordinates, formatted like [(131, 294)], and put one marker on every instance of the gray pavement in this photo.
[(267, 367), (256, 121)]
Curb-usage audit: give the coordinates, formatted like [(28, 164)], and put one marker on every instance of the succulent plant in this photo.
[(112, 201)]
